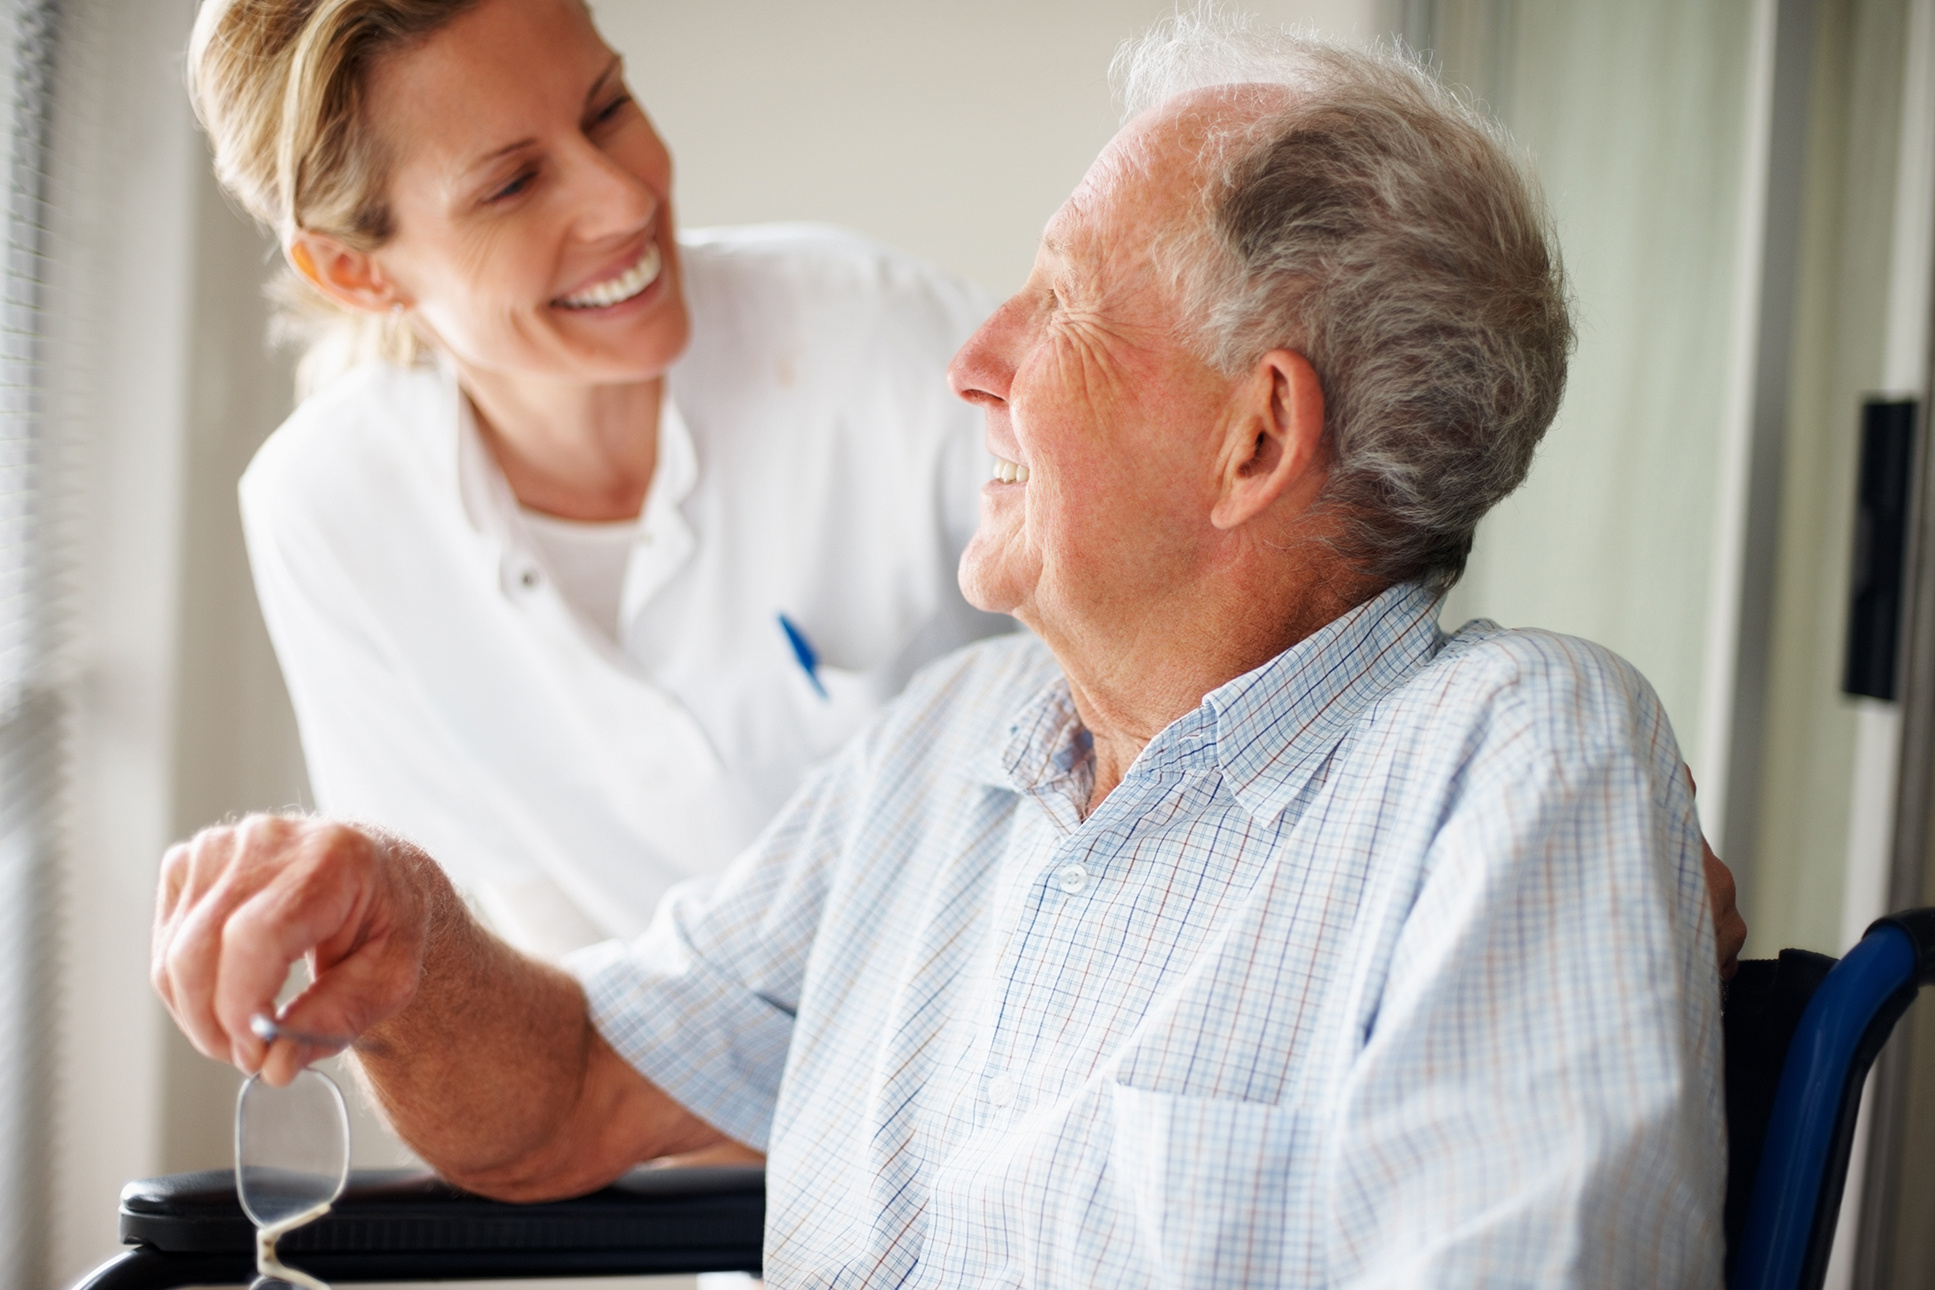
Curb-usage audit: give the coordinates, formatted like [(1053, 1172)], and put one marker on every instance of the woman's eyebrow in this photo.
[(487, 158), (613, 71)]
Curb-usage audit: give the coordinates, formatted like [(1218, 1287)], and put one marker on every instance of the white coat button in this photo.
[(1001, 1089), (528, 579), (1071, 878)]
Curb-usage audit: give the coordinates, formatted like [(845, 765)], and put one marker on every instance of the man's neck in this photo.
[(570, 449), (1130, 682)]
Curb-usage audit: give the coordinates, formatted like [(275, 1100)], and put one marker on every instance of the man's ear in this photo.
[(344, 274), (1274, 447)]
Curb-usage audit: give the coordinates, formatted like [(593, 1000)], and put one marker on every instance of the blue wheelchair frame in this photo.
[(1804, 1157)]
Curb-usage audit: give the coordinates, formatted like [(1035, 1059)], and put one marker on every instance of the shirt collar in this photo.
[(1276, 725), (1267, 731)]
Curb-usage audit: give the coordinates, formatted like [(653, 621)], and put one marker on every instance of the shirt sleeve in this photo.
[(1537, 1099), (702, 1003), (372, 750)]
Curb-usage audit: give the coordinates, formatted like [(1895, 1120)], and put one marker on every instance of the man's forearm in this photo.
[(494, 1074)]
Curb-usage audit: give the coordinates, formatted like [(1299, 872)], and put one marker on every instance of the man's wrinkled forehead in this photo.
[(1077, 232), (1154, 169)]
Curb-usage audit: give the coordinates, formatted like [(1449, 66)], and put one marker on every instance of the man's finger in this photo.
[(189, 944), (302, 903)]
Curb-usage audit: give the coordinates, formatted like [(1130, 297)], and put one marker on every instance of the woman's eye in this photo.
[(512, 189), (612, 108)]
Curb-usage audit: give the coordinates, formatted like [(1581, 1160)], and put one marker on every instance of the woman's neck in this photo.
[(569, 449)]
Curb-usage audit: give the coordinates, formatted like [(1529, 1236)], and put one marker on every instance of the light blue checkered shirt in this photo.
[(1390, 964)]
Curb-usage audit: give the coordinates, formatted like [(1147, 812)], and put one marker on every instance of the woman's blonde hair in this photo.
[(279, 85)]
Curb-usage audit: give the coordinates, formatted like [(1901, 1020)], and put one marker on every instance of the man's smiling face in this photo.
[(1091, 393)]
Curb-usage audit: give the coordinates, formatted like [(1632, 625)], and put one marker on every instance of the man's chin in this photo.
[(990, 581)]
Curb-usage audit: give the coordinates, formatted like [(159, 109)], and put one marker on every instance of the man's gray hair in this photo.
[(1390, 234)]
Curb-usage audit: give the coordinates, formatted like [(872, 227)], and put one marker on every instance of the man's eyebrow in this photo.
[(613, 68)]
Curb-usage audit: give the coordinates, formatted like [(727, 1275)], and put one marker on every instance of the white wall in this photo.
[(951, 128)]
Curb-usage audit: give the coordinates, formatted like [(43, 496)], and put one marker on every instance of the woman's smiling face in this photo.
[(530, 199)]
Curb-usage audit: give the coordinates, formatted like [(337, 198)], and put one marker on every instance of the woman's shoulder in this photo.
[(811, 275), (807, 255), (370, 430)]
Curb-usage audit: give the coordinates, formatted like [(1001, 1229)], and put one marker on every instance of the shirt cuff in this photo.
[(717, 1048)]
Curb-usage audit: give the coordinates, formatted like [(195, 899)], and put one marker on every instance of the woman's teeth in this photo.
[(1009, 472), (617, 290)]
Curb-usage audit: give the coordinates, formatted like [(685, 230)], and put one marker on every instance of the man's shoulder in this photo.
[(1530, 656), (1545, 686)]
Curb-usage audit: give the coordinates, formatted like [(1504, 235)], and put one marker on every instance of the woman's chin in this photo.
[(626, 354)]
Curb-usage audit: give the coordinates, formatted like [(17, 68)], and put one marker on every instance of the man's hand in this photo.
[(239, 905), (1729, 928), (484, 1061)]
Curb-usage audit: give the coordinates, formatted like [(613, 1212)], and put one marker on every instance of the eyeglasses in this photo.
[(291, 1161)]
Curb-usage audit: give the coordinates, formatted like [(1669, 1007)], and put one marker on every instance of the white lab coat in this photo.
[(812, 463)]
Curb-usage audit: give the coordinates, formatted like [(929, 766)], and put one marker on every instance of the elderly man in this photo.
[(1240, 929)]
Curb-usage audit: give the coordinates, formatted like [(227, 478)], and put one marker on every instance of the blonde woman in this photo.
[(586, 540)]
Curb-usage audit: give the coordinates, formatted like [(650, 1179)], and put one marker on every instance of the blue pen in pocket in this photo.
[(804, 653)]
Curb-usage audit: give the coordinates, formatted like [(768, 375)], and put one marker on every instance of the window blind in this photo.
[(30, 705)]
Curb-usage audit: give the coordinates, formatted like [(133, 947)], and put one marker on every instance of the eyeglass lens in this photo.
[(291, 1159)]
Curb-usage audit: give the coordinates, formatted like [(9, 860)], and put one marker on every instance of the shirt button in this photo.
[(1001, 1089), (1071, 878)]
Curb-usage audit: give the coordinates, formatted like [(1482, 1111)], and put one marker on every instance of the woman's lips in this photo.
[(615, 291)]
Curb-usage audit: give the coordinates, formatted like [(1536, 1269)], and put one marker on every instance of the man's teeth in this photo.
[(1010, 472), (621, 288)]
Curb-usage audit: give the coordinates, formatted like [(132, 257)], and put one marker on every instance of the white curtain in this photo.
[(1634, 112)]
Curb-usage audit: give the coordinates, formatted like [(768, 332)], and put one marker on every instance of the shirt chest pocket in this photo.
[(827, 704), (1219, 1190)]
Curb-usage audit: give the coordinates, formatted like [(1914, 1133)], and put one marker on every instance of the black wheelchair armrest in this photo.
[(399, 1225)]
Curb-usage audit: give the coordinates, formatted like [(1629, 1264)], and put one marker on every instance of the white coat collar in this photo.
[(491, 508)]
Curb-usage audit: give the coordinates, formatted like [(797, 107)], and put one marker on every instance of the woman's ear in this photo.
[(344, 274), (1274, 448)]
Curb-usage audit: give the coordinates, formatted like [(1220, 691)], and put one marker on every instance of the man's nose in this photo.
[(984, 368)]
